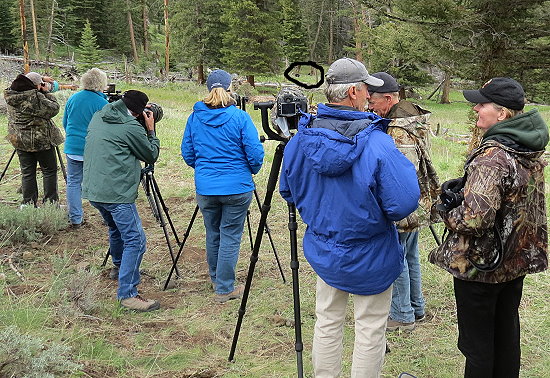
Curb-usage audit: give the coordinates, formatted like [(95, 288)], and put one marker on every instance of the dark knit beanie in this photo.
[(135, 100)]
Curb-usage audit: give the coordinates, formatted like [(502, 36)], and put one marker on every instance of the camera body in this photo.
[(290, 104), (111, 92), (452, 194)]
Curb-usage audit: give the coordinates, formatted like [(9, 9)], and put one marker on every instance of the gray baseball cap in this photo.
[(347, 70)]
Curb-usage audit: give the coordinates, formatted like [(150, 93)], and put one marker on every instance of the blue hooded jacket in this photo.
[(349, 190), (223, 147)]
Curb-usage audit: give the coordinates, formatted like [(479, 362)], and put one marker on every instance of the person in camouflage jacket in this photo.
[(33, 134), (497, 233), (409, 130)]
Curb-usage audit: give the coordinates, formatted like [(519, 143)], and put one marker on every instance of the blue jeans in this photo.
[(407, 299), (74, 190), (126, 243), (224, 221)]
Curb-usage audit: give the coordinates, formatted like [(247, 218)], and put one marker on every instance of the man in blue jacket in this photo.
[(350, 184)]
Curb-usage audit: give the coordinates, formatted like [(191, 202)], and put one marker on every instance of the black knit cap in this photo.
[(135, 100), (502, 91)]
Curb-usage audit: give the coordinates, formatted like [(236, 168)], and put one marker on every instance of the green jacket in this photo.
[(115, 145), (30, 113), (504, 205), (410, 130)]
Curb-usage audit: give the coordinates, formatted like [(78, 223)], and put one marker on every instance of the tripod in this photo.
[(292, 226), (58, 153), (190, 225), (159, 209)]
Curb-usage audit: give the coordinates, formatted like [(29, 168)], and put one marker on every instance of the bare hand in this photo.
[(149, 120)]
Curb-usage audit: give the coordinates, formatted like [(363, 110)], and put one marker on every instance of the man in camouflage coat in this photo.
[(33, 134), (498, 229), (410, 131)]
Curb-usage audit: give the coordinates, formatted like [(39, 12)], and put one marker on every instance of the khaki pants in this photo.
[(371, 315)]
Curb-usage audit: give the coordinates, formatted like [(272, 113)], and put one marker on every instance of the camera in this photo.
[(452, 194), (291, 102), (155, 110), (111, 92)]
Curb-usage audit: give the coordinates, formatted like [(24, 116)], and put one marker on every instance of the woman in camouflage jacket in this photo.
[(497, 233), (33, 134)]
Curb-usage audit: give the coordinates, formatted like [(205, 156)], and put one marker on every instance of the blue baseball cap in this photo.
[(218, 79)]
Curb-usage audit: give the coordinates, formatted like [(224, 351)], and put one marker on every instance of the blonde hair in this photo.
[(94, 80), (509, 112), (218, 98)]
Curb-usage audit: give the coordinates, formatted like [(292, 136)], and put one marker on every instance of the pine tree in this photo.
[(7, 24), (88, 49), (251, 42), (294, 34)]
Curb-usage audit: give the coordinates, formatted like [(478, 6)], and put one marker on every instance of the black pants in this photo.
[(48, 163), (488, 327)]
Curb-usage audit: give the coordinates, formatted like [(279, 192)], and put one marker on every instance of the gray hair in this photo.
[(339, 92), (94, 80)]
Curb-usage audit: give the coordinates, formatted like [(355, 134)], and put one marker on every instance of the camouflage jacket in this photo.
[(30, 113), (410, 132), (503, 209)]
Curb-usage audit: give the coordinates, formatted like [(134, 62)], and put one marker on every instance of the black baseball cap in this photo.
[(135, 100), (390, 84), (502, 91)]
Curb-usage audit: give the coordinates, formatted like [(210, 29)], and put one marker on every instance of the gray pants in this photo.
[(48, 164)]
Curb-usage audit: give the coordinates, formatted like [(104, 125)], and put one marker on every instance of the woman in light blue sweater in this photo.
[(78, 112)]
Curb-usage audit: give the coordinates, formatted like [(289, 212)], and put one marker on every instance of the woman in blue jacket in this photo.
[(79, 110), (221, 143)]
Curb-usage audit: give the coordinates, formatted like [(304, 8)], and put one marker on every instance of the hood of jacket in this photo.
[(323, 143), (116, 113), (527, 129), (214, 117), (22, 83)]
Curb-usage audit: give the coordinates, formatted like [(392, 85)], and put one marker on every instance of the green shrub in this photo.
[(29, 224), (23, 355)]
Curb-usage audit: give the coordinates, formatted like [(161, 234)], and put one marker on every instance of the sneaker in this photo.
[(113, 273), (394, 325), (140, 304), (235, 294), (420, 318)]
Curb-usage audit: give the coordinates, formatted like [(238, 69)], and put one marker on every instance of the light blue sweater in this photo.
[(79, 110)]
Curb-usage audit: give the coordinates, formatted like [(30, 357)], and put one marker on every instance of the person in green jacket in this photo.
[(116, 143)]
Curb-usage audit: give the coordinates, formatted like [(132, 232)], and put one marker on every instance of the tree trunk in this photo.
[(250, 79), (26, 65), (200, 73), (331, 36), (166, 40), (145, 28), (132, 35), (314, 44), (35, 34), (446, 89), (50, 31)]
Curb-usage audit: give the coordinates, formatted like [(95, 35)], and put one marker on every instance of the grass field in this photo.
[(191, 336)]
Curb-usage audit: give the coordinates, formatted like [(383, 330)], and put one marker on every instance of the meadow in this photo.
[(62, 295)]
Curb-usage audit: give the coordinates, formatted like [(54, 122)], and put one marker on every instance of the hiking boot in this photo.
[(140, 304), (113, 273), (235, 294), (394, 325), (74, 226)]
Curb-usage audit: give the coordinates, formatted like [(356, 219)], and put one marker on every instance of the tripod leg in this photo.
[(181, 246), (249, 229), (271, 184), (155, 198), (294, 265), (268, 232), (7, 164), (165, 209), (106, 257), (61, 164)]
